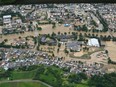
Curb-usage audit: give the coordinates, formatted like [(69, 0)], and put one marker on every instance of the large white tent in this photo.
[(93, 42)]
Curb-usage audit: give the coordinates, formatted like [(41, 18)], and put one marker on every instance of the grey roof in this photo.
[(52, 41), (63, 40), (73, 44), (43, 39), (76, 48), (64, 36)]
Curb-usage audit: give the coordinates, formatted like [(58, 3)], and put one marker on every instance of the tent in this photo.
[(93, 42)]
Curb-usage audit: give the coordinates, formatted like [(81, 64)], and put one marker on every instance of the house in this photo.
[(52, 42), (75, 48), (93, 42), (74, 45), (64, 36), (102, 44), (43, 40), (28, 7), (66, 25), (7, 19), (63, 40)]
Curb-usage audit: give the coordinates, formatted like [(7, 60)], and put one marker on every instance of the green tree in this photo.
[(107, 80), (5, 40), (58, 50), (54, 25), (59, 45), (66, 51), (81, 38), (83, 76), (19, 37), (65, 33), (53, 34), (74, 78), (39, 28), (84, 28)]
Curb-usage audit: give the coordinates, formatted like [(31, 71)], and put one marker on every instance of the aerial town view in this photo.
[(58, 45)]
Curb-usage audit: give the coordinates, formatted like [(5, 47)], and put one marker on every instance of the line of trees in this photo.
[(107, 80), (102, 20), (10, 46), (81, 37), (110, 61), (7, 1), (81, 28)]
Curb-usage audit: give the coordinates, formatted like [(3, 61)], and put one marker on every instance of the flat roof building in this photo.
[(93, 42), (7, 19)]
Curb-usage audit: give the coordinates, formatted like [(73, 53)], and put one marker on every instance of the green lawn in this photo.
[(1, 70), (83, 84), (23, 74), (22, 84), (49, 75)]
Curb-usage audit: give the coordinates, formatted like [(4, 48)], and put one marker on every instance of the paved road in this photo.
[(26, 80)]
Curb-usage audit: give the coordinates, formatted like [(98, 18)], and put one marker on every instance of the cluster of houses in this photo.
[(12, 24), (89, 69), (87, 19), (76, 14), (108, 12), (61, 15), (21, 42), (14, 58)]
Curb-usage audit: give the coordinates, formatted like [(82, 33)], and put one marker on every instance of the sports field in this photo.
[(22, 84)]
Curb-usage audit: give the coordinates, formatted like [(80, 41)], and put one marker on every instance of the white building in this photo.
[(93, 42), (7, 19)]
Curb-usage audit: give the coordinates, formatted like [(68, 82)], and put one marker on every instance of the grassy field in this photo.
[(23, 74), (82, 84), (22, 84), (49, 75)]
